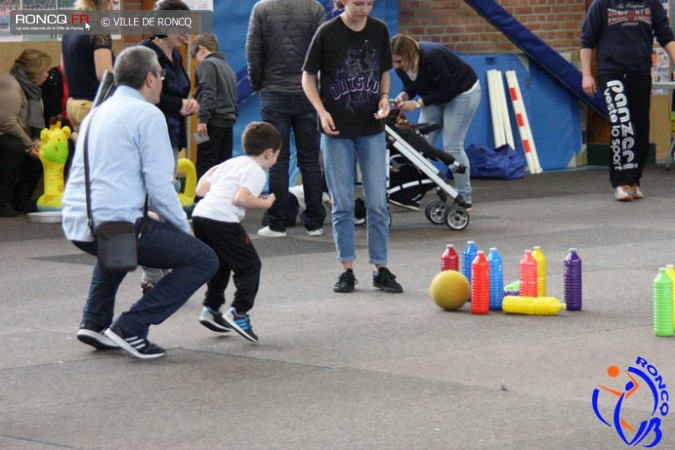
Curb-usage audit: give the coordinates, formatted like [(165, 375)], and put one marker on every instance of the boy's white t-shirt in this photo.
[(218, 204)]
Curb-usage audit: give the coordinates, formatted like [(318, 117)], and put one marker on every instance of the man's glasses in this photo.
[(161, 73)]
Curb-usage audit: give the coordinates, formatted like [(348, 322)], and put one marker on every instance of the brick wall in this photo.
[(454, 23)]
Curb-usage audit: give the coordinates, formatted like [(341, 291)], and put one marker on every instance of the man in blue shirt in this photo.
[(129, 159)]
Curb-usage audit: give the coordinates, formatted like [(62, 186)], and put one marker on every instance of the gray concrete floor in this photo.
[(362, 370)]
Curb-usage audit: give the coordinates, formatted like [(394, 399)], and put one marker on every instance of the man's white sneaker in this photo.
[(317, 232), (637, 193), (623, 193), (268, 232)]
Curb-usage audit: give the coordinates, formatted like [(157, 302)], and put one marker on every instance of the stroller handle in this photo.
[(426, 128)]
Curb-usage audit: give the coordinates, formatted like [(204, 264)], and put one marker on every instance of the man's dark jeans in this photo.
[(286, 112), (163, 246)]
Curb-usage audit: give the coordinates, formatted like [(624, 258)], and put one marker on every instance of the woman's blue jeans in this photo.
[(340, 157), (454, 119)]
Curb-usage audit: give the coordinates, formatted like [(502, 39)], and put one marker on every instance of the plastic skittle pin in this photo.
[(533, 306)]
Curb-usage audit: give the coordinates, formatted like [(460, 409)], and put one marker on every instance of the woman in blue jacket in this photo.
[(449, 94)]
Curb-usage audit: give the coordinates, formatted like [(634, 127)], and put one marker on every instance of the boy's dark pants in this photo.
[(236, 254), (214, 151)]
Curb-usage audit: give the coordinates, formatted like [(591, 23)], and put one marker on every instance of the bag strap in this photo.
[(87, 179)]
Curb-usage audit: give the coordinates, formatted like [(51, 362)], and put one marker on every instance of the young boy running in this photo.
[(228, 189)]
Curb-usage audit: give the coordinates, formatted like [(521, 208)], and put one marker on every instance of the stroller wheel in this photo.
[(436, 212), (457, 218)]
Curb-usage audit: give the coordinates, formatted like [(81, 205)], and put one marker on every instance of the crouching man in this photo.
[(130, 159)]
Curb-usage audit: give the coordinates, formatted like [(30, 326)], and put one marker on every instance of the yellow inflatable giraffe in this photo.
[(186, 195), (53, 155)]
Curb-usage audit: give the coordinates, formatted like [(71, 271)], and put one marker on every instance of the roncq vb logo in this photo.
[(640, 382)]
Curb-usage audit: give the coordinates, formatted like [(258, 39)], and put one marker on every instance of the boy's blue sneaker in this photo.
[(240, 323), (213, 320)]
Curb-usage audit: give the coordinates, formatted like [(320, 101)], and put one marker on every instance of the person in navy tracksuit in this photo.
[(622, 33)]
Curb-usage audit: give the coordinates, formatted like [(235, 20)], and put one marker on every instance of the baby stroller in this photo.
[(411, 175)]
